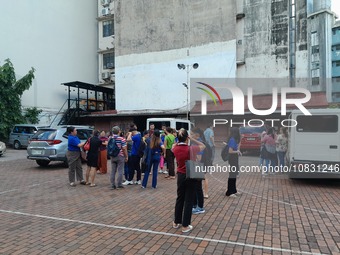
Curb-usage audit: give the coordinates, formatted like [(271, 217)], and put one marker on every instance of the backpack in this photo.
[(225, 153), (141, 148), (112, 148), (207, 155)]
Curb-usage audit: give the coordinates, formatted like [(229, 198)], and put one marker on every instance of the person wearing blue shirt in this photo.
[(234, 153), (74, 157), (134, 160)]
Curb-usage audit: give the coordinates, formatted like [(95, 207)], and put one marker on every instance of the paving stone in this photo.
[(272, 212)]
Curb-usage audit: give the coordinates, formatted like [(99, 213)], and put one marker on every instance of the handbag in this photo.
[(87, 145), (194, 170)]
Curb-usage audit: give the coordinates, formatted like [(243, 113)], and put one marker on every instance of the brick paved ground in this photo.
[(41, 214)]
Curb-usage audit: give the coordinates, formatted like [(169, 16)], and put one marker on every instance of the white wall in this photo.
[(152, 81), (56, 37)]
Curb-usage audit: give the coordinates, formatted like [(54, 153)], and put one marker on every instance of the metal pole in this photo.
[(188, 91)]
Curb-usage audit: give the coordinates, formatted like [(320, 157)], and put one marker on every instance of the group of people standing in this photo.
[(94, 158), (171, 146), (273, 149)]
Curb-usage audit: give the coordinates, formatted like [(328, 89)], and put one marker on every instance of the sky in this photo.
[(336, 7)]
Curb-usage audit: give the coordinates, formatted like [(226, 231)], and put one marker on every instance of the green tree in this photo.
[(32, 115), (11, 91)]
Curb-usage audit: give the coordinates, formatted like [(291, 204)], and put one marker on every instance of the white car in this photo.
[(2, 148)]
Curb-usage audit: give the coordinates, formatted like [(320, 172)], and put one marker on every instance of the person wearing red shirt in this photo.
[(185, 187)]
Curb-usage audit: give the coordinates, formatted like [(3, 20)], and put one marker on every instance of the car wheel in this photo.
[(17, 145), (42, 162)]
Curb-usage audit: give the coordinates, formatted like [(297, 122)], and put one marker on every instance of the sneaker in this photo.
[(198, 210), (120, 187), (165, 172), (233, 195), (127, 183), (160, 171), (113, 187), (238, 193), (72, 184), (143, 187), (138, 182)]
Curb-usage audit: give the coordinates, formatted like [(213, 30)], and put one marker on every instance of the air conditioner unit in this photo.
[(105, 11), (106, 2), (106, 75), (109, 65)]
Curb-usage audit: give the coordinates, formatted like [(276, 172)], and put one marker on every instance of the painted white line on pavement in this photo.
[(283, 202), (157, 232), (29, 186), (7, 191)]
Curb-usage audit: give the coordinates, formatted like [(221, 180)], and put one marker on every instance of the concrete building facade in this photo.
[(336, 62), (281, 39), (153, 37), (58, 39)]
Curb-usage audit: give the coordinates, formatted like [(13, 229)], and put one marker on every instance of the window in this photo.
[(180, 125), (108, 28), (315, 73), (336, 48), (336, 63), (108, 60), (314, 38), (315, 49), (317, 123), (315, 81)]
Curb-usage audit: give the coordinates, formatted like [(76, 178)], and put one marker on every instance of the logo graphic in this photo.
[(238, 99), (209, 93)]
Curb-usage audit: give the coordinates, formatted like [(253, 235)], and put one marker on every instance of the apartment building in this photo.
[(336, 62), (106, 43)]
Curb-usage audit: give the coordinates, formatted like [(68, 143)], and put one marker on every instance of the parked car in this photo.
[(21, 134), (251, 138), (50, 144), (2, 148)]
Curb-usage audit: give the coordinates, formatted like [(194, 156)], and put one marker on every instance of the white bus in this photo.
[(314, 144)]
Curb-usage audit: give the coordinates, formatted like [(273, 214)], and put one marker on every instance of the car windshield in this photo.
[(252, 130), (45, 134)]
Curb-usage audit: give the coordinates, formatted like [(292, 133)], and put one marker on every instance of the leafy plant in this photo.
[(11, 91), (32, 115)]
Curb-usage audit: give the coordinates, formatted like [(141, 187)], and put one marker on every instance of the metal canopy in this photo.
[(88, 86)]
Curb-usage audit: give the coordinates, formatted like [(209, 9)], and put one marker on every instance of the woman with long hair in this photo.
[(282, 145), (154, 150), (92, 158), (270, 149), (234, 153), (185, 187)]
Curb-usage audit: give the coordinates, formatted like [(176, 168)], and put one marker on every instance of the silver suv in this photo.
[(50, 144)]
